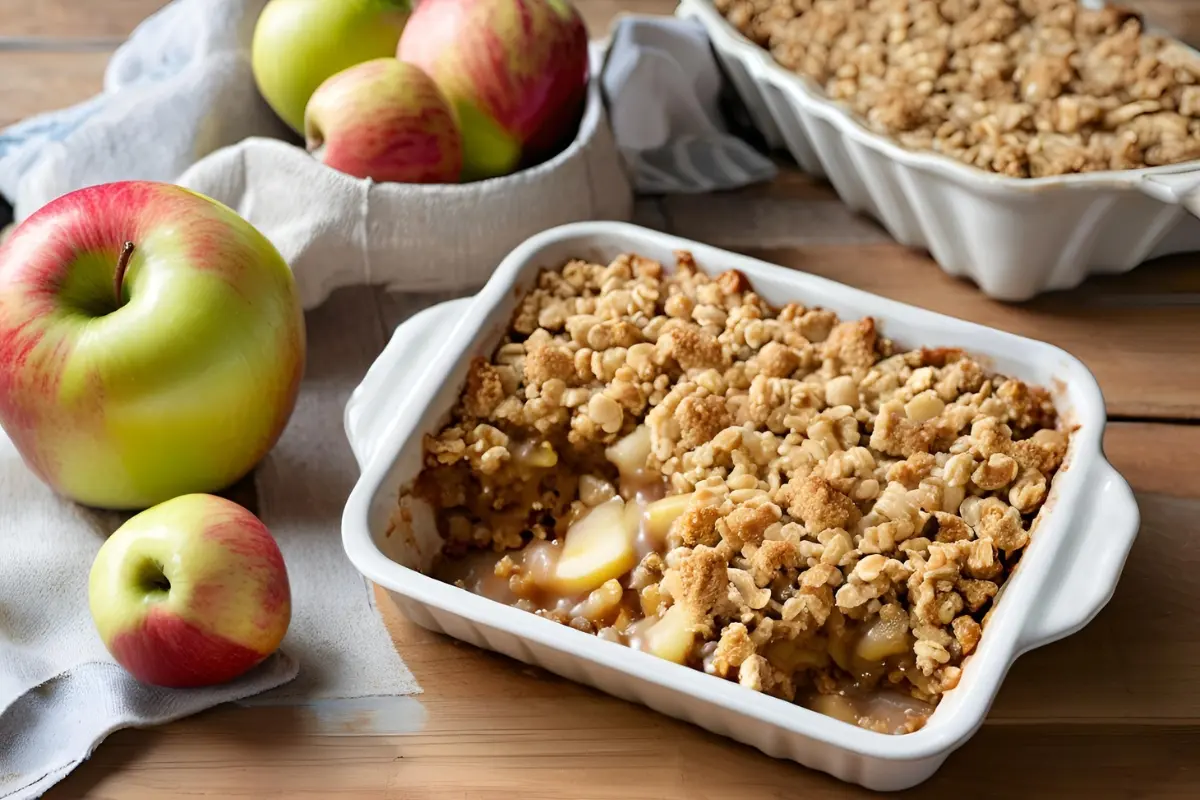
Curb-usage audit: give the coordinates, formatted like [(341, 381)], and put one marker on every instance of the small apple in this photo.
[(192, 592), (151, 344), (516, 72), (299, 43), (384, 120)]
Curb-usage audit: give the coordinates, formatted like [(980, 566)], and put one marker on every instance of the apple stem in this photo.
[(122, 265)]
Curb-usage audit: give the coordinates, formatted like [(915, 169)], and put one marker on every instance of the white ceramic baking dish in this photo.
[(1065, 577), (1014, 237)]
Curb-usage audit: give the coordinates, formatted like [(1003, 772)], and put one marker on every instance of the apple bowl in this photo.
[(336, 230)]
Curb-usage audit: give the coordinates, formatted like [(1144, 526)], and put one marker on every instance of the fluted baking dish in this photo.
[(1014, 237), (1066, 575)]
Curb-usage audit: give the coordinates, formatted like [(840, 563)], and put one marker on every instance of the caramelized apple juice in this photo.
[(770, 495)]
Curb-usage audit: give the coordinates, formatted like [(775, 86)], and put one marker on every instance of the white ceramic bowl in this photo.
[(336, 230), (1015, 237), (1067, 574)]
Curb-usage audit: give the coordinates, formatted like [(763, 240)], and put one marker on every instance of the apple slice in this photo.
[(598, 548), (836, 706), (884, 638), (660, 515), (630, 453), (672, 636)]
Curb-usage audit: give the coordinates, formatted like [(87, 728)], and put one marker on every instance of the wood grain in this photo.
[(628, 755), (598, 15), (1179, 18), (37, 82), (74, 18), (1156, 458)]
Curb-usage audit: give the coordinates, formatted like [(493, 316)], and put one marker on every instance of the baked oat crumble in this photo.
[(1025, 88), (775, 496)]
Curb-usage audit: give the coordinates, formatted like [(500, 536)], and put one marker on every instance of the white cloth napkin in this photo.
[(60, 692)]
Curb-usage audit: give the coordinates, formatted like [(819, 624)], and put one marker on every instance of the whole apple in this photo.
[(384, 120), (151, 344), (192, 592), (515, 71), (299, 43)]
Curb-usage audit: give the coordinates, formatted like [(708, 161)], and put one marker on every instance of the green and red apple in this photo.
[(298, 44), (385, 120), (516, 72), (151, 344), (192, 592)]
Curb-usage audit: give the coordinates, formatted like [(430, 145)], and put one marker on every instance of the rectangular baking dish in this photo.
[(1066, 576), (1014, 237)]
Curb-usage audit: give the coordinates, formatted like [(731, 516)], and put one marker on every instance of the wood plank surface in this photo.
[(76, 19), (1180, 18), (34, 82), (598, 15), (629, 754), (1113, 711)]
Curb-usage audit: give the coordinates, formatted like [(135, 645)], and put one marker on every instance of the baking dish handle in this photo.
[(1176, 188), (1093, 560), (379, 401)]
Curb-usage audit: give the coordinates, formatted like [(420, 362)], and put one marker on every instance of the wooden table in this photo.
[(1113, 711)]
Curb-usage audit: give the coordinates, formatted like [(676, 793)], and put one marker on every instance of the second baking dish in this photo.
[(1014, 237)]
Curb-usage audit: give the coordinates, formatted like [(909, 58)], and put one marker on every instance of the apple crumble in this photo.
[(1025, 88), (773, 495)]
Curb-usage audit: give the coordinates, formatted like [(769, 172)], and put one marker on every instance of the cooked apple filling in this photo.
[(771, 495)]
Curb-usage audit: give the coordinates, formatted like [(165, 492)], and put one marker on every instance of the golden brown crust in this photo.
[(976, 593), (852, 343), (690, 346), (777, 360), (748, 524), (951, 528), (968, 633), (698, 526), (548, 362), (1023, 89), (701, 419), (816, 502), (734, 647), (772, 558), (701, 580), (484, 389), (997, 472)]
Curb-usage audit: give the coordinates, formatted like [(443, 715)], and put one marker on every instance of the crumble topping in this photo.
[(1025, 88), (773, 495)]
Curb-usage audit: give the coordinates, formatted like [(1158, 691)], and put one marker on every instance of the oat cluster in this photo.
[(842, 488), (1026, 88)]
